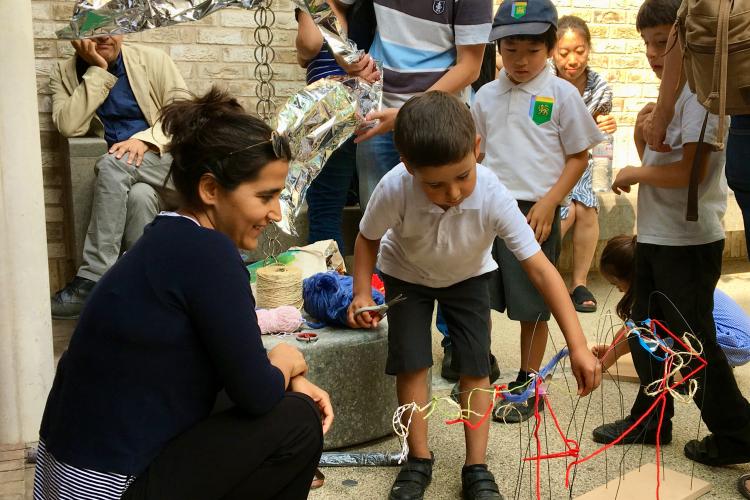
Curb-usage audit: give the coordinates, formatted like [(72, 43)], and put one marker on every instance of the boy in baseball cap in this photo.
[(536, 133)]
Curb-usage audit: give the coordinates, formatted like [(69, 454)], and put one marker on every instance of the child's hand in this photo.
[(626, 177), (540, 218), (386, 120), (604, 355), (364, 68), (586, 369), (643, 114), (366, 319), (654, 131), (606, 123)]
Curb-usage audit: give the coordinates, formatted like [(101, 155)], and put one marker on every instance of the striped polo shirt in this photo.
[(416, 41), (323, 65)]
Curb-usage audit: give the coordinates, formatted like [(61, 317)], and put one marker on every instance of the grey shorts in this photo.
[(466, 309), (510, 287)]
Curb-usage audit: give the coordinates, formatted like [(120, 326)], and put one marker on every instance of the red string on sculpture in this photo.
[(661, 399), (485, 416), (571, 444)]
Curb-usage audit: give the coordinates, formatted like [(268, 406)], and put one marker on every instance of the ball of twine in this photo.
[(279, 285)]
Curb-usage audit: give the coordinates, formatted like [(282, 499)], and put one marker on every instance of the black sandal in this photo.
[(478, 483), (711, 451), (742, 487), (413, 479), (580, 296)]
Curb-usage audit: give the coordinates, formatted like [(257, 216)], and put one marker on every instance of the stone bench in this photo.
[(350, 366), (81, 154)]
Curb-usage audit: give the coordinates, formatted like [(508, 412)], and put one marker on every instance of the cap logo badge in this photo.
[(438, 6), (540, 110), (518, 10)]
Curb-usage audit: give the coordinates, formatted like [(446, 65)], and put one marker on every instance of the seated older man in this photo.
[(115, 91)]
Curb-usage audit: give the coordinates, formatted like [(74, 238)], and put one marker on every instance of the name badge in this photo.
[(540, 110)]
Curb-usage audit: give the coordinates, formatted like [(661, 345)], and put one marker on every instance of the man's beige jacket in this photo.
[(153, 76)]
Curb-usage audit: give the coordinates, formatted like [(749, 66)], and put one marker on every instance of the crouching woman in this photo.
[(170, 325)]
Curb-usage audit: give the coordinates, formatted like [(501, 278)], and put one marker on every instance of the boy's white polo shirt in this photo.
[(423, 244), (661, 211), (528, 129)]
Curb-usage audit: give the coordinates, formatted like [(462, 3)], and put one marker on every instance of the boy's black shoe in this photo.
[(605, 434), (68, 302), (717, 452), (413, 479), (514, 413), (478, 483)]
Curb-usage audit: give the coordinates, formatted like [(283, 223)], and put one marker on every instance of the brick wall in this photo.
[(219, 49)]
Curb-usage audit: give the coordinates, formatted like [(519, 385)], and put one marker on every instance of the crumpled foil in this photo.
[(116, 17), (332, 31), (317, 121), (366, 459)]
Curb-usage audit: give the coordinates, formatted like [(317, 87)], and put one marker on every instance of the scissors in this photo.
[(382, 309)]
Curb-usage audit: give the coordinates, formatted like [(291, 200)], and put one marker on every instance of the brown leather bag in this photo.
[(715, 39)]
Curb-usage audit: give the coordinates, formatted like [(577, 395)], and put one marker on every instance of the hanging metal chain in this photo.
[(271, 245), (266, 93), (264, 57)]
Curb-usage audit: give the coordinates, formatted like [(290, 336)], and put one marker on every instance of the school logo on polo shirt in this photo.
[(540, 110), (518, 10), (438, 6)]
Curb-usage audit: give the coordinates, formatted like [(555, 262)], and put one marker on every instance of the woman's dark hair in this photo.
[(574, 23), (548, 38), (653, 13), (212, 134), (618, 261), (434, 129)]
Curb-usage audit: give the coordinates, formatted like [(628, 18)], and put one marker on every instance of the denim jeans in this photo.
[(326, 196), (738, 167), (375, 158)]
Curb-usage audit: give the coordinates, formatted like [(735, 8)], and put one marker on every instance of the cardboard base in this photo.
[(623, 370), (641, 484)]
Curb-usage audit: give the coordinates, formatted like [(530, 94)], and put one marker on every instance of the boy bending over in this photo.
[(434, 218)]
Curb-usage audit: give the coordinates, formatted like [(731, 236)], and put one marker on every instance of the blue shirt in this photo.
[(120, 113), (732, 329), (322, 65)]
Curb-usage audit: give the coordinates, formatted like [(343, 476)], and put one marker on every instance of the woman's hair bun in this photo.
[(184, 119), (212, 134)]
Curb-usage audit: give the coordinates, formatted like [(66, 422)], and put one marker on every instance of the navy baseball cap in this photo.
[(529, 17)]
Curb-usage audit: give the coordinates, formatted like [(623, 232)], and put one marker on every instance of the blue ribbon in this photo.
[(530, 390)]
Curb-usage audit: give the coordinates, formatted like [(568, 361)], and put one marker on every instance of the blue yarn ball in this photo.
[(328, 295)]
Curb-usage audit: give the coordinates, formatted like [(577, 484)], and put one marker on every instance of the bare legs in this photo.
[(585, 223)]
